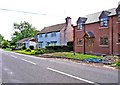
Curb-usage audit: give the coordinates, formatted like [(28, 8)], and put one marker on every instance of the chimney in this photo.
[(68, 21)]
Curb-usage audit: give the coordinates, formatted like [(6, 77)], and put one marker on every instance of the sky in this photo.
[(44, 13)]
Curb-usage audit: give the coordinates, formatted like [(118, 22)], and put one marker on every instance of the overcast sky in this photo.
[(50, 12)]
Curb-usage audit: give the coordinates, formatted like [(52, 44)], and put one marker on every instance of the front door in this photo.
[(90, 44)]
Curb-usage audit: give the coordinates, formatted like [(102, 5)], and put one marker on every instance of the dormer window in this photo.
[(103, 18), (118, 15), (80, 22), (104, 22), (80, 26)]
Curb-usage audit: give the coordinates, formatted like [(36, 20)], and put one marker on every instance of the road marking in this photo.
[(29, 61), (72, 76), (14, 56)]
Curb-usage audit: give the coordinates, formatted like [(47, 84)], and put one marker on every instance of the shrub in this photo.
[(31, 47), (28, 50), (59, 48), (12, 47), (40, 51), (117, 64), (23, 47)]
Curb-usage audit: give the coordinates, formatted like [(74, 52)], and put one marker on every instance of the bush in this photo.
[(23, 47), (12, 47), (31, 47), (28, 50), (117, 64), (40, 51), (59, 48)]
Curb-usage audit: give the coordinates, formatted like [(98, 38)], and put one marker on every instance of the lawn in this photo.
[(76, 56)]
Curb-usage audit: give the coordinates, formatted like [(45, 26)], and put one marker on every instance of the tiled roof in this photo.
[(91, 18), (52, 28)]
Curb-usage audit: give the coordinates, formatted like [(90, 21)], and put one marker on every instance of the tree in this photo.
[(1, 38), (24, 30), (5, 44)]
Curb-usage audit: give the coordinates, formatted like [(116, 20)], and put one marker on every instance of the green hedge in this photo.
[(59, 48)]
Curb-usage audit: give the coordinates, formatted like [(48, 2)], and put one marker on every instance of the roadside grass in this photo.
[(76, 56), (8, 49), (33, 52)]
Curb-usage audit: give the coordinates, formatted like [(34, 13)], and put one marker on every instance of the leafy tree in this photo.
[(1, 38), (5, 44), (24, 30)]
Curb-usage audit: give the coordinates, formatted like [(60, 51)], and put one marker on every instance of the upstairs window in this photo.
[(103, 41), (119, 38), (104, 22), (40, 35), (53, 34), (46, 34), (118, 15), (80, 25)]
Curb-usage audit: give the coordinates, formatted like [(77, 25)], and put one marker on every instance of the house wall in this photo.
[(49, 38), (32, 43), (99, 32)]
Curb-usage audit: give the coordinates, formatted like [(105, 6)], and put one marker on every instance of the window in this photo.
[(46, 34), (47, 43), (118, 15), (40, 44), (79, 42), (119, 38), (80, 25), (104, 22), (103, 41), (40, 35), (53, 34), (53, 43)]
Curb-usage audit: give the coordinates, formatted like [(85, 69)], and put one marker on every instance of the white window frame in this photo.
[(80, 26), (104, 22)]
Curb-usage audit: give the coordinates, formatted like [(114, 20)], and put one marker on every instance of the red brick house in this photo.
[(98, 33)]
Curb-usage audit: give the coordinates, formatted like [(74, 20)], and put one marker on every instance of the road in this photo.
[(19, 68)]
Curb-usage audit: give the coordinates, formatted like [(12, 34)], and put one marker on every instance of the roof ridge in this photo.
[(54, 25)]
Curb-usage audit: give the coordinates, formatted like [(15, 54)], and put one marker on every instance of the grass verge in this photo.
[(76, 56)]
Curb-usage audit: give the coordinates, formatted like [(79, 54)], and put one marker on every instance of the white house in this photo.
[(58, 34), (27, 42)]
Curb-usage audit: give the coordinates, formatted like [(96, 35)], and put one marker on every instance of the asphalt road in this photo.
[(19, 68)]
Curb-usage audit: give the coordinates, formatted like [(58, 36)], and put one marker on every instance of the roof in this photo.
[(26, 39), (53, 28), (23, 40), (91, 18)]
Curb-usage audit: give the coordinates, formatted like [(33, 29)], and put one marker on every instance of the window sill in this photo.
[(80, 45), (118, 22), (103, 27), (79, 29), (105, 46), (118, 43)]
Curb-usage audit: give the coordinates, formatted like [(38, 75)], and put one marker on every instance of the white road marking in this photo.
[(13, 56), (29, 61), (72, 76)]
